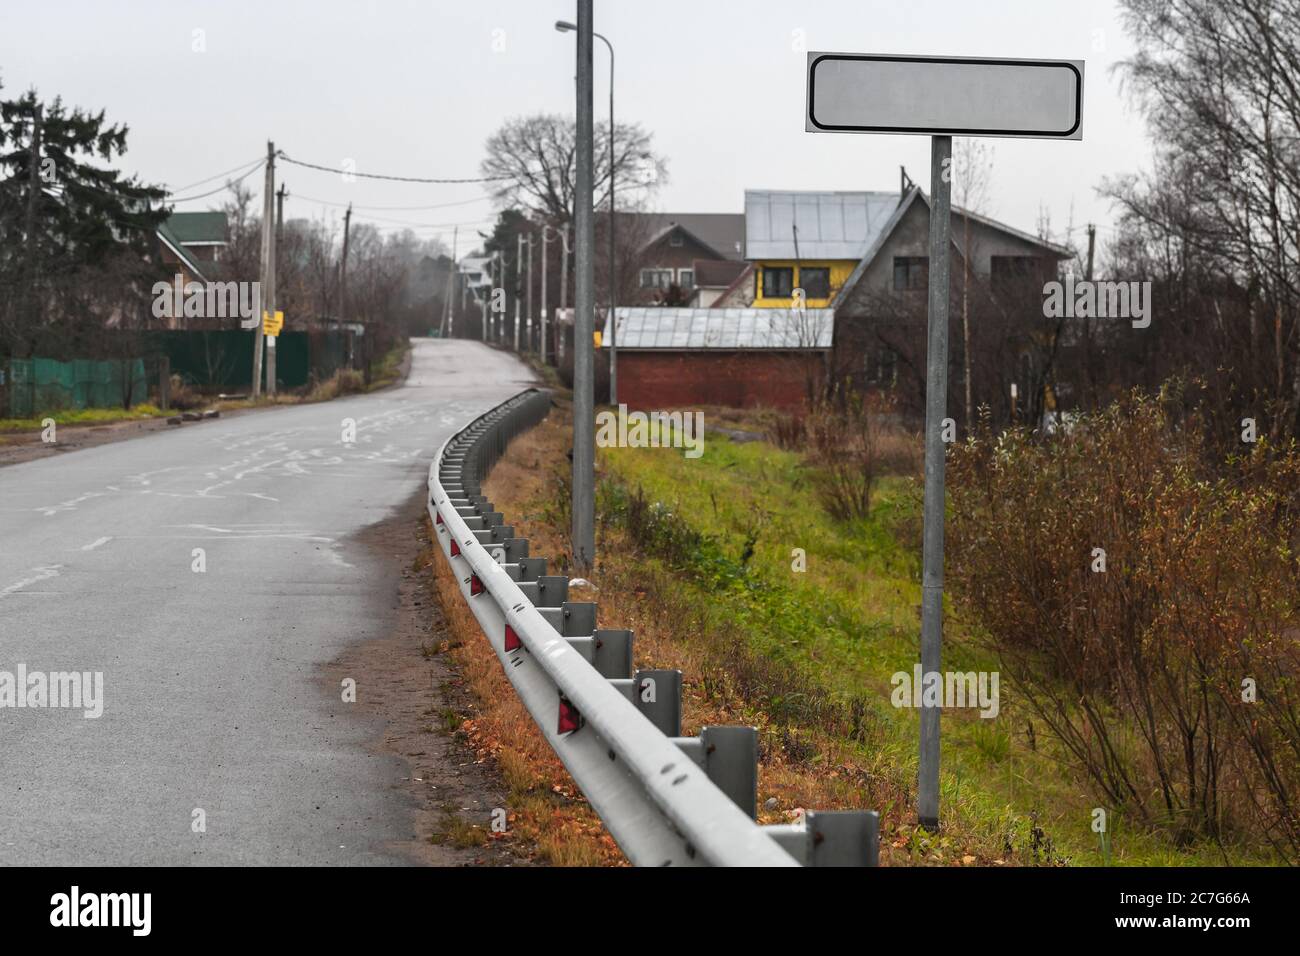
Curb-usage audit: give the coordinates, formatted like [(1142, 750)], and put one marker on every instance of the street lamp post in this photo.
[(564, 26)]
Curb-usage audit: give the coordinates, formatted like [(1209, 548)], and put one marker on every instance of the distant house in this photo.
[(713, 277), (675, 357), (833, 271), (888, 284), (476, 276), (190, 245), (809, 241), (203, 234), (670, 245)]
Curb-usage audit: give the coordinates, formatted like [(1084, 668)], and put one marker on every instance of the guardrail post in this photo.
[(831, 838), (658, 695), (612, 655)]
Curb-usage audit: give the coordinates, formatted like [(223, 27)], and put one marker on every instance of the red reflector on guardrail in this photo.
[(512, 639), (437, 517), (475, 585), (570, 718), (455, 549)]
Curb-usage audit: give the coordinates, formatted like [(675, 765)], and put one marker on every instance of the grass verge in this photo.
[(699, 558)]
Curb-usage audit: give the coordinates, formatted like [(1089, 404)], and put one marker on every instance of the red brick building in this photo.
[(744, 358)]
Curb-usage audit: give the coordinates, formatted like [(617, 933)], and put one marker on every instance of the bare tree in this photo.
[(535, 158), (1219, 81), (973, 173)]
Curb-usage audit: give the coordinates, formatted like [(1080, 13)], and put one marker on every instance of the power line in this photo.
[(223, 187), (181, 189), (427, 225), (398, 179), (441, 205)]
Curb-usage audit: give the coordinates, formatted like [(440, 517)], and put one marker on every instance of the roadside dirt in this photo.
[(424, 701), (17, 447)]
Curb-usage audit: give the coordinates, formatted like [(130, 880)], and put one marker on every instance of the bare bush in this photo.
[(1139, 659), (843, 445)]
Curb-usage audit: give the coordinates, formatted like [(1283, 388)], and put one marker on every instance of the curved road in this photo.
[(211, 692)]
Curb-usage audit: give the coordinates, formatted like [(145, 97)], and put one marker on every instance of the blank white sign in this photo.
[(954, 96)]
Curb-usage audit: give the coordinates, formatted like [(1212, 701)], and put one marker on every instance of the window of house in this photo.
[(675, 239), (656, 278), (911, 272), (881, 366), (816, 282), (778, 282), (686, 278)]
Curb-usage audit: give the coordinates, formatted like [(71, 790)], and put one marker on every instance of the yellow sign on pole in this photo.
[(272, 326), (596, 338)]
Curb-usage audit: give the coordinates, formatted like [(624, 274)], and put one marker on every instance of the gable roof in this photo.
[(198, 227), (831, 225), (722, 232), (678, 329), (169, 238), (916, 195), (717, 273)]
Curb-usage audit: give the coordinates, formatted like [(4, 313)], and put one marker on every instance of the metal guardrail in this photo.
[(666, 799)]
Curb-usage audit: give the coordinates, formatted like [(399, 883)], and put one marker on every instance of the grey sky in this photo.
[(414, 88)]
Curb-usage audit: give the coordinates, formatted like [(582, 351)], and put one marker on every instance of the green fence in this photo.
[(43, 385), (223, 360)]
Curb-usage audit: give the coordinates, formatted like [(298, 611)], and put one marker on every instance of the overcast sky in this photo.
[(414, 88)]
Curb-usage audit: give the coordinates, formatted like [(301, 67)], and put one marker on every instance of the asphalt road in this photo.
[(212, 699)]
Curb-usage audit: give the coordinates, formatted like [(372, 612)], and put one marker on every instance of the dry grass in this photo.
[(723, 681), (546, 810)]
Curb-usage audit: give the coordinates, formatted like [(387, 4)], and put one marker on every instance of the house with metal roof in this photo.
[(825, 271), (804, 245), (203, 234), (678, 357)]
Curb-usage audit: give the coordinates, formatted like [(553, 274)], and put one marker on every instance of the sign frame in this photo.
[(812, 125)]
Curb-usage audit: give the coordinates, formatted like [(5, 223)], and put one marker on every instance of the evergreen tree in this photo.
[(66, 219)]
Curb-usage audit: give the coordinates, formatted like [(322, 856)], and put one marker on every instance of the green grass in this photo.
[(852, 620), (82, 416)]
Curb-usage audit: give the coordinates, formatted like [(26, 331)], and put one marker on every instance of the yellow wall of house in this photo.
[(841, 269)]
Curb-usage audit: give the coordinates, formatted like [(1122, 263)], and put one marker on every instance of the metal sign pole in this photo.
[(584, 412), (939, 96), (936, 409)]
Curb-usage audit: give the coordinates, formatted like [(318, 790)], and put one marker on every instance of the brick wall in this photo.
[(663, 379)]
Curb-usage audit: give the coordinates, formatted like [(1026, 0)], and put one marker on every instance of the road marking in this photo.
[(95, 544), (43, 574)]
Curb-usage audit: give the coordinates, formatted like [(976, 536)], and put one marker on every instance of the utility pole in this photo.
[(519, 271), (1092, 240), (545, 239), (268, 265), (343, 269), (279, 214), (451, 273), (499, 318), (936, 408), (274, 296), (584, 413), (528, 306), (613, 283), (484, 307), (564, 281)]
